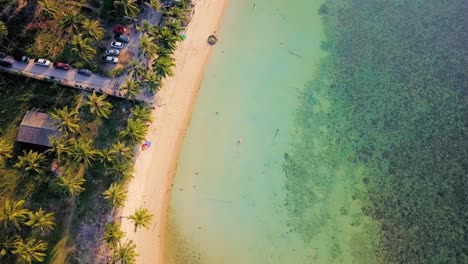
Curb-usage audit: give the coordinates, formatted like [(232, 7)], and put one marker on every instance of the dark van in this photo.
[(6, 64)]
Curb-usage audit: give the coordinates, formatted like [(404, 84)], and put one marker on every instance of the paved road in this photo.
[(71, 78)]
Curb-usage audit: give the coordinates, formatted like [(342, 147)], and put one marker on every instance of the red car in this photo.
[(61, 65), (119, 29)]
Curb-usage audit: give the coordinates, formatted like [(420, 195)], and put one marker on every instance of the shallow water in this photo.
[(232, 201)]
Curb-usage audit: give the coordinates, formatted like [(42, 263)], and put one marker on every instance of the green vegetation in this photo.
[(387, 113), (141, 218), (96, 147), (45, 31), (72, 186)]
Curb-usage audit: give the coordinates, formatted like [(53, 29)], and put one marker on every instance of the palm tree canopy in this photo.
[(153, 83), (113, 234), (82, 151), (141, 217), (120, 171), (98, 105), (49, 8), (142, 112), (5, 149), (148, 46), (13, 213), (163, 66), (126, 253), (41, 221), (71, 21), (30, 250), (60, 147), (135, 131), (81, 46), (127, 7), (3, 32), (136, 71), (121, 151), (116, 195), (167, 39), (73, 184), (32, 162), (131, 88), (66, 120), (93, 29)]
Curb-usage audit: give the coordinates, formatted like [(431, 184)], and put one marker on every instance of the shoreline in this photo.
[(155, 167)]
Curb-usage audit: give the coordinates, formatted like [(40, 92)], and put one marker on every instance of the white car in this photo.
[(117, 45), (110, 59), (112, 52), (42, 62)]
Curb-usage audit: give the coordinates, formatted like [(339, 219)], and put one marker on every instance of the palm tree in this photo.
[(131, 88), (141, 218), (40, 221), (5, 150), (81, 46), (73, 184), (176, 12), (126, 253), (121, 151), (98, 105), (168, 40), (93, 29), (116, 195), (146, 26), (120, 171), (32, 162), (60, 147), (155, 4), (3, 32), (49, 8), (29, 250), (127, 7), (148, 46), (67, 121), (71, 22), (135, 131), (142, 112), (107, 157), (136, 70), (113, 234), (174, 27), (82, 151), (163, 66), (152, 82), (13, 213)]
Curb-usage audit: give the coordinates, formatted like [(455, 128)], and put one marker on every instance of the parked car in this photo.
[(61, 65), (85, 72), (112, 52), (42, 62), (119, 29), (122, 38), (116, 45), (6, 64), (110, 59), (21, 59)]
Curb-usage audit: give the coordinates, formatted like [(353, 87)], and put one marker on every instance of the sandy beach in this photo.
[(155, 167)]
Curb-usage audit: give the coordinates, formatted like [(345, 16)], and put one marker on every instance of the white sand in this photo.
[(155, 167)]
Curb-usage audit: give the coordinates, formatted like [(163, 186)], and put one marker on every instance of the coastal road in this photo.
[(70, 78)]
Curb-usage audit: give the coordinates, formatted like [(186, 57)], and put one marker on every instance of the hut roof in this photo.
[(36, 128)]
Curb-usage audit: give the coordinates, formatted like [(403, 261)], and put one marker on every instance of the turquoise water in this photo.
[(338, 138), (231, 199)]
